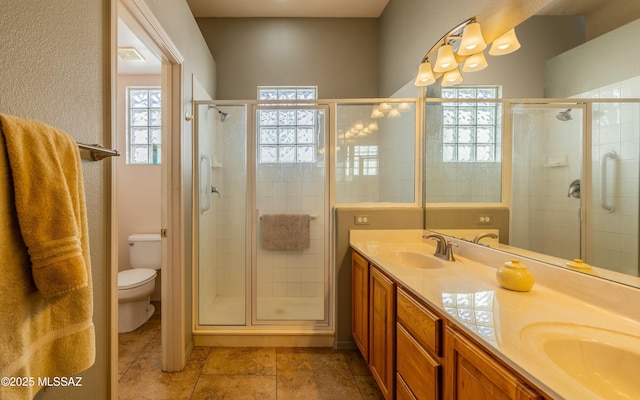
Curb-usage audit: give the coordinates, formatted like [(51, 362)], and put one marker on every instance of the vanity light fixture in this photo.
[(463, 43), (445, 61), (452, 77), (475, 62), (472, 41), (425, 75), (505, 44), (394, 113), (377, 113)]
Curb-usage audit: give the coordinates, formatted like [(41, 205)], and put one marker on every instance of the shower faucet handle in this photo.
[(215, 190)]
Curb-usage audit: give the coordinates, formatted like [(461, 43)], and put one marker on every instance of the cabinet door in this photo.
[(474, 375), (381, 331), (360, 303)]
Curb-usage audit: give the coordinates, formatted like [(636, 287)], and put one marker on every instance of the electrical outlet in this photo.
[(484, 220), (361, 220)]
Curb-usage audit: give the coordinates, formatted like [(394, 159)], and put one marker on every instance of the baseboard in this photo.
[(255, 339)]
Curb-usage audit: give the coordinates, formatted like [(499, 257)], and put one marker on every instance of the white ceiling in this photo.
[(288, 8), (150, 65)]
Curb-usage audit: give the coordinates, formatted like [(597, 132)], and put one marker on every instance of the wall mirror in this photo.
[(571, 167)]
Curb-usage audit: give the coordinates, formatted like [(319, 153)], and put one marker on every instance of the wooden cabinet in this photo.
[(373, 320), (418, 349), (382, 331), (474, 375), (360, 303), (415, 353)]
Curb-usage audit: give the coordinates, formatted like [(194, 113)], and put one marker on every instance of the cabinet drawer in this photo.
[(422, 324), (402, 390), (417, 368)]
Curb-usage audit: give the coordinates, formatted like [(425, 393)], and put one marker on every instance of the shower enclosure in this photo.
[(266, 174), (575, 185), (262, 224)]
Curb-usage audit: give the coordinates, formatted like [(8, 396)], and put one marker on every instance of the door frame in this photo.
[(141, 20)]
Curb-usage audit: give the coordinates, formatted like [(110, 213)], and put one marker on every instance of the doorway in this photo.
[(135, 16)]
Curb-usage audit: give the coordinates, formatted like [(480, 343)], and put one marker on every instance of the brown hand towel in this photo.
[(285, 231)]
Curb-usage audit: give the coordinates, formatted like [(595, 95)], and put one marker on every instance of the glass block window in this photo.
[(365, 160), (144, 125), (287, 135), (470, 129)]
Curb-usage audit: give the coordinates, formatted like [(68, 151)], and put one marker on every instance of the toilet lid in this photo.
[(135, 277)]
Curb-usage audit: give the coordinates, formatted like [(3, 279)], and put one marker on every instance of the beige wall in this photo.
[(380, 218), (339, 55), (54, 58), (137, 186)]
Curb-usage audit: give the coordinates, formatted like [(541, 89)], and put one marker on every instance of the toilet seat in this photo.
[(135, 277)]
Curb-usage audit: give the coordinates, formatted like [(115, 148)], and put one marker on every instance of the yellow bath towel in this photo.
[(47, 179), (46, 301)]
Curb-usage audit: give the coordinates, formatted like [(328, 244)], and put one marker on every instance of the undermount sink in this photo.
[(603, 361), (412, 258)]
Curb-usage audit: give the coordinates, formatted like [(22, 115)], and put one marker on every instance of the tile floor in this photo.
[(240, 372)]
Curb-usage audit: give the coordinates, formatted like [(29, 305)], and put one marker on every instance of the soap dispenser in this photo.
[(515, 276), (579, 265)]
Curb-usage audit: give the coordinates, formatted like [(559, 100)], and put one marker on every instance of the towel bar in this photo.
[(97, 152)]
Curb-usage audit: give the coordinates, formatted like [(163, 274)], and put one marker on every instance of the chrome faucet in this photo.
[(443, 248), (484, 235)]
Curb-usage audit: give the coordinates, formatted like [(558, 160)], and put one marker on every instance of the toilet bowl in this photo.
[(136, 284)]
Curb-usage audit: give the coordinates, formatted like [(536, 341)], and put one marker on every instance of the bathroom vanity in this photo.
[(436, 329)]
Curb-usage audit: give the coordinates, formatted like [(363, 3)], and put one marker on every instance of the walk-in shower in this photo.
[(262, 235), (575, 181), (265, 181)]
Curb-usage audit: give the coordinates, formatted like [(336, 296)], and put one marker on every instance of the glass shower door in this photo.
[(546, 176), (290, 268), (221, 176)]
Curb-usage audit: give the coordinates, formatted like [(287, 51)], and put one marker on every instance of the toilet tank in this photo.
[(145, 251)]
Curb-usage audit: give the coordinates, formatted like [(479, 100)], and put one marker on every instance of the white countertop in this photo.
[(467, 293)]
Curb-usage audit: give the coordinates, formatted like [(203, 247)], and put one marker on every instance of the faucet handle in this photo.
[(449, 251)]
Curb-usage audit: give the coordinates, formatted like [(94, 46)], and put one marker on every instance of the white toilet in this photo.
[(135, 285)]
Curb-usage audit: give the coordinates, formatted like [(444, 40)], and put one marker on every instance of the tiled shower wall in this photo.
[(616, 127), (292, 189), (544, 218)]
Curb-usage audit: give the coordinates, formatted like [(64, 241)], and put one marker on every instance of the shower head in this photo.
[(564, 115), (223, 115)]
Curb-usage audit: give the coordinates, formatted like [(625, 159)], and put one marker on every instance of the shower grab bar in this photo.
[(603, 182), (205, 183), (97, 152)]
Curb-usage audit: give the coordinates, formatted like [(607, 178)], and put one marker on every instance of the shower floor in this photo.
[(231, 310)]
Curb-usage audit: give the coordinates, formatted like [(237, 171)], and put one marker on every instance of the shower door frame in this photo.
[(253, 216), (586, 165), (325, 327)]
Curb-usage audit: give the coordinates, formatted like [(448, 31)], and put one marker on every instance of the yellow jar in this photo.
[(515, 276)]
